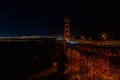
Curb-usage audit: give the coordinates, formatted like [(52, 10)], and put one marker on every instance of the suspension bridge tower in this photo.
[(66, 28)]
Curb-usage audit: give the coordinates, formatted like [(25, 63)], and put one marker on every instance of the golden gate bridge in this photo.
[(88, 60)]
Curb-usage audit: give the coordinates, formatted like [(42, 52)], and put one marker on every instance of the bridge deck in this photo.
[(100, 43)]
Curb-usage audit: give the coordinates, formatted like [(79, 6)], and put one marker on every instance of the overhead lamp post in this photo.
[(104, 36), (82, 38)]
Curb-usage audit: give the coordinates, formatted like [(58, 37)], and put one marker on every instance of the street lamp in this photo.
[(82, 38), (90, 38), (104, 36)]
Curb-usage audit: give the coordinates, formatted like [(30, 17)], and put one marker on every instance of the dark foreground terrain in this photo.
[(20, 59)]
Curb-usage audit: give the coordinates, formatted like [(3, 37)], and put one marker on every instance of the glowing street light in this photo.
[(90, 38), (104, 36), (82, 38)]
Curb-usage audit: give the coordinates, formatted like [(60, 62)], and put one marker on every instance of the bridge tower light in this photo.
[(66, 28)]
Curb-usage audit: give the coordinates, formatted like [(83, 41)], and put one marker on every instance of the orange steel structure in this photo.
[(91, 63), (67, 28)]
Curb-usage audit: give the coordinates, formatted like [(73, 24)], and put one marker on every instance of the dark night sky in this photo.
[(47, 18)]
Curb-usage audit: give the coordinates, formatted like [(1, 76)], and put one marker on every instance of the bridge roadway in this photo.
[(115, 43)]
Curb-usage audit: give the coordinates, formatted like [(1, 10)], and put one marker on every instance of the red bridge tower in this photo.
[(67, 28)]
